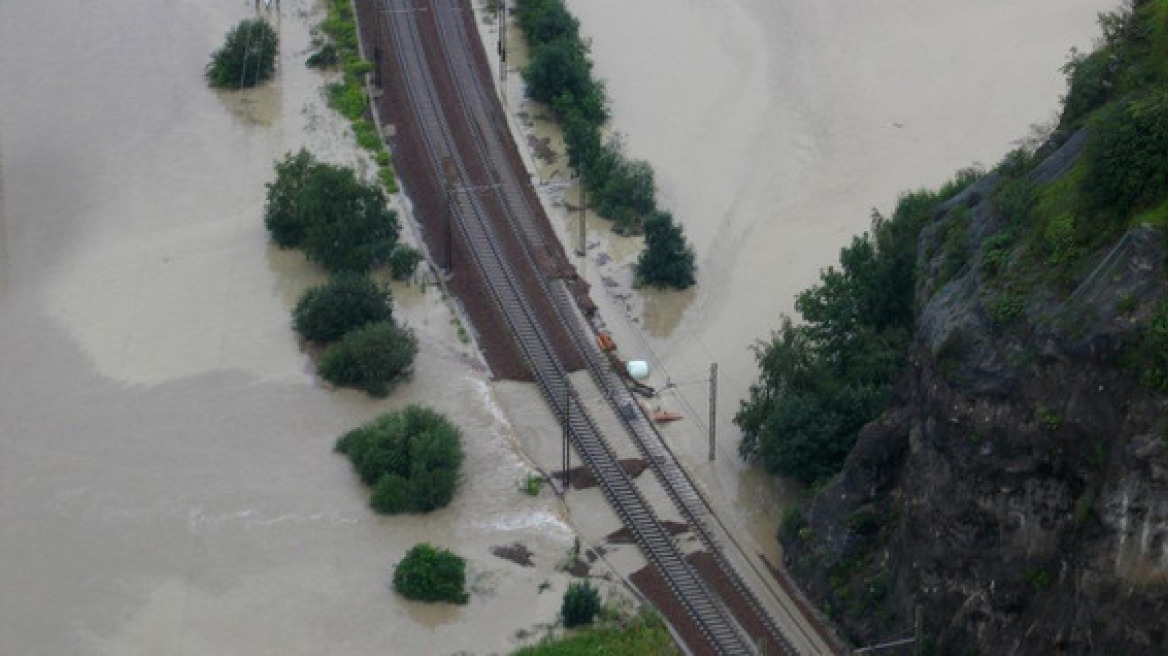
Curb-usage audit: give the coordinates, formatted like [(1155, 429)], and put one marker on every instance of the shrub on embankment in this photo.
[(340, 49), (411, 459), (644, 635), (430, 574), (247, 56), (559, 73)]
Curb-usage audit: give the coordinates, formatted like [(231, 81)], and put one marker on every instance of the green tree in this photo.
[(558, 68), (247, 56), (327, 312), (667, 261), (822, 380), (350, 226), (283, 214), (581, 603), (372, 358), (1128, 155), (430, 574), (627, 192), (411, 459)]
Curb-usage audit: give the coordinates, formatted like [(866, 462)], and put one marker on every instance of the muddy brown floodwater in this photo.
[(167, 484), (775, 126)]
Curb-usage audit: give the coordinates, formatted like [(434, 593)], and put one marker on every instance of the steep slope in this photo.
[(1016, 489)]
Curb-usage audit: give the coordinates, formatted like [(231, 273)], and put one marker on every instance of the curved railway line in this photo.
[(486, 196)]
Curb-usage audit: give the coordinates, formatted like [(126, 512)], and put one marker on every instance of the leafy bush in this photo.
[(366, 134), (995, 253), (628, 193), (791, 524), (667, 259), (348, 99), (373, 358), (1148, 358), (247, 56), (646, 635), (403, 260), (430, 574), (1061, 240), (411, 459), (1016, 198), (531, 484), (325, 57), (1006, 307), (581, 603), (327, 312), (955, 250)]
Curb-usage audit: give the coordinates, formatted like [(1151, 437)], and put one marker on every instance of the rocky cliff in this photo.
[(1017, 489)]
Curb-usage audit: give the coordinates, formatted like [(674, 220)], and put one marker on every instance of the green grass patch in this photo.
[(1156, 216), (646, 635), (347, 96)]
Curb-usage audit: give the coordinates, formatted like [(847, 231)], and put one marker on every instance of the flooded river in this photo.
[(775, 127), (166, 481), (166, 478)]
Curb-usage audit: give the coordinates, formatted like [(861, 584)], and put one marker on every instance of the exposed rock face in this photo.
[(1018, 490)]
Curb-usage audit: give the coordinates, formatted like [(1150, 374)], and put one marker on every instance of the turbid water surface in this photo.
[(775, 127), (166, 478)]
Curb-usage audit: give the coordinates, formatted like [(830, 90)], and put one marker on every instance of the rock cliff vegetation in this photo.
[(988, 437)]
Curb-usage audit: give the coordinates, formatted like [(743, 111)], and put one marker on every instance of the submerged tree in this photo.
[(339, 220), (247, 57), (667, 261), (411, 459), (327, 312), (431, 574)]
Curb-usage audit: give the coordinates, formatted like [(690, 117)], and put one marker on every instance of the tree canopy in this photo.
[(340, 221), (667, 259), (821, 380), (247, 56)]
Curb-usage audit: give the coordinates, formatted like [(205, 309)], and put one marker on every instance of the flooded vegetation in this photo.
[(168, 482)]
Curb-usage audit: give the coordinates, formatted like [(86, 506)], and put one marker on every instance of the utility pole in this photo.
[(567, 457), (918, 626), (713, 407), (503, 48), (450, 172), (582, 249)]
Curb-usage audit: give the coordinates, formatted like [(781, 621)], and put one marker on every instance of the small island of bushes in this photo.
[(247, 57), (344, 224), (431, 574), (411, 459)]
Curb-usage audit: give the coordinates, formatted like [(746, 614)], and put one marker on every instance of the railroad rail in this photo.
[(476, 102), (471, 217)]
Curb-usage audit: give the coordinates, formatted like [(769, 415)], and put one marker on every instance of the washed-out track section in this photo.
[(502, 190)]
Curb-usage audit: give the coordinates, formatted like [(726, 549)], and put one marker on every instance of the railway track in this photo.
[(476, 101), (482, 166)]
